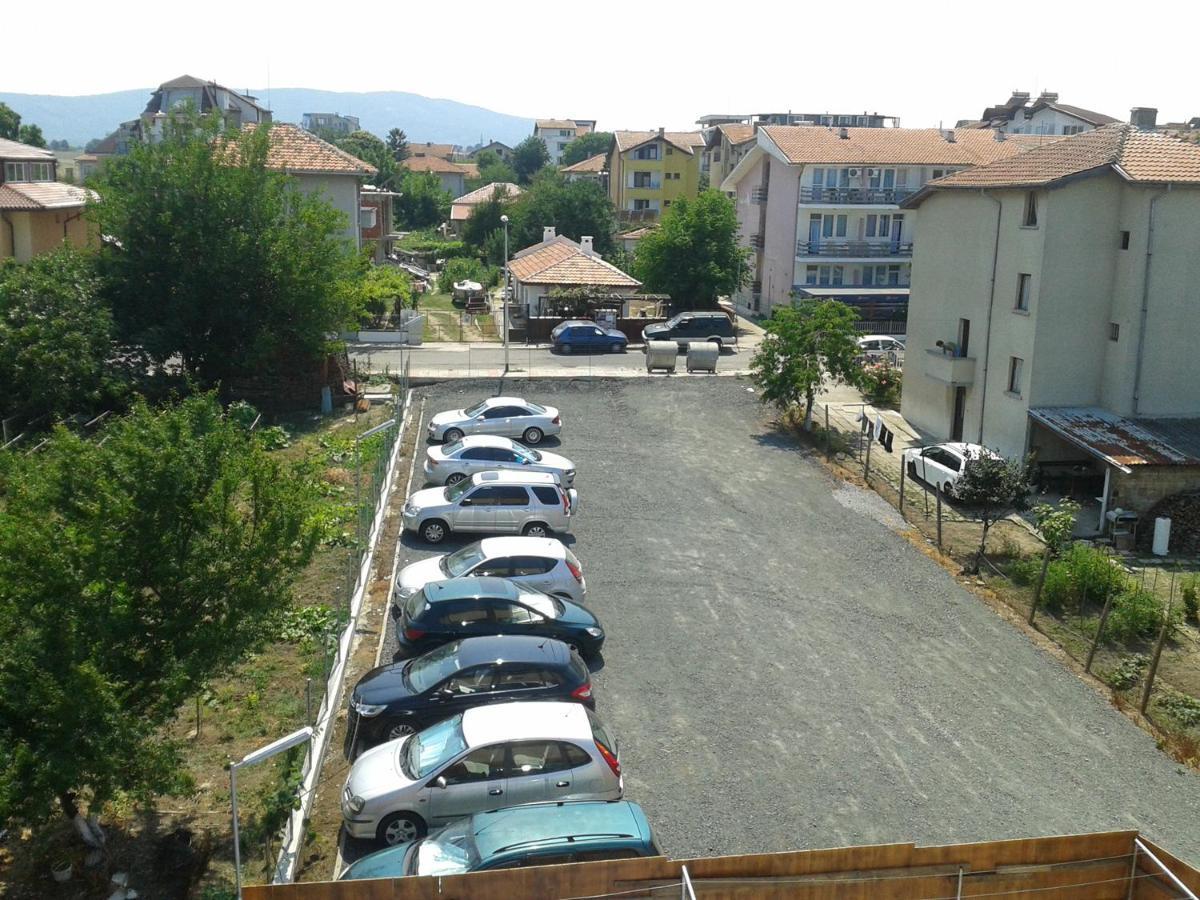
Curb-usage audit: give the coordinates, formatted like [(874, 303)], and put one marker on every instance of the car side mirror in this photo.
[(440, 781), (466, 501)]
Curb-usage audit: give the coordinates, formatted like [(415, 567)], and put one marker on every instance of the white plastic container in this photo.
[(1162, 536), (661, 355)]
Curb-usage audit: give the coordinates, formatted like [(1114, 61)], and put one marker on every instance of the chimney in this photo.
[(1000, 135), (547, 233), (585, 244), (843, 134), (1143, 118), (661, 131), (1048, 96), (949, 135)]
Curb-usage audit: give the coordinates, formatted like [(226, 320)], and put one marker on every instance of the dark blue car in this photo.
[(581, 334)]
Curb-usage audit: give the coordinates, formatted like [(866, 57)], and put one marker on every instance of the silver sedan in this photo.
[(451, 463), (504, 416)]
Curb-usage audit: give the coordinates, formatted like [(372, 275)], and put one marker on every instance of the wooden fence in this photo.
[(1071, 867)]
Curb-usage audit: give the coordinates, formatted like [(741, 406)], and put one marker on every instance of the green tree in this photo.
[(484, 221), (10, 122), (585, 146), (807, 348), (217, 259), (485, 158), (491, 174), (574, 208), (529, 157), (385, 290), (423, 203), (993, 486), (694, 254), (371, 149), (397, 144), (55, 338), (32, 135), (132, 570)]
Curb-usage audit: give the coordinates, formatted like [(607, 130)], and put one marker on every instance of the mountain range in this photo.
[(78, 119)]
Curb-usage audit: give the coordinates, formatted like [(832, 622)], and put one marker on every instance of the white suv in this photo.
[(507, 502)]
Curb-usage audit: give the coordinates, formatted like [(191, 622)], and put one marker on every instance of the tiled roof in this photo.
[(43, 195), (13, 150), (1138, 156), (445, 151), (737, 133), (295, 150), (637, 234), (1087, 115), (434, 164), (591, 165), (802, 144), (460, 209), (561, 261), (687, 141), (556, 123)]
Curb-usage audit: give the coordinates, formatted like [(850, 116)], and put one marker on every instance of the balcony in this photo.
[(854, 249), (645, 185), (952, 370), (758, 195), (849, 195)]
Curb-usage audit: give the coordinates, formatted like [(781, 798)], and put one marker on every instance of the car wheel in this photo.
[(717, 341), (399, 730), (532, 436), (615, 348), (451, 435), (537, 529), (434, 531), (564, 348), (400, 828), (455, 478), (947, 490), (912, 469)]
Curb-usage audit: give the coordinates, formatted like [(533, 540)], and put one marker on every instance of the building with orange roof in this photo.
[(558, 263), (650, 170), (594, 168), (556, 134), (37, 212), (452, 175)]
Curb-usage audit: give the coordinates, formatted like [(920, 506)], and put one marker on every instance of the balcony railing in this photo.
[(758, 195), (853, 195), (867, 249), (645, 185)]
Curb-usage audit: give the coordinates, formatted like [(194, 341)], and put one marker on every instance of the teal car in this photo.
[(536, 834)]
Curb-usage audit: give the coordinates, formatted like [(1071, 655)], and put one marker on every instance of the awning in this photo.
[(872, 293), (1124, 443)]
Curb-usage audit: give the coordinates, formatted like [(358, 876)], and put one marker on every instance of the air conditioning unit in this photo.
[(872, 173), (854, 173)]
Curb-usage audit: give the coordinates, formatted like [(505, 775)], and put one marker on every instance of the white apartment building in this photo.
[(557, 133), (819, 207), (331, 122), (205, 97), (1046, 115), (1054, 311)]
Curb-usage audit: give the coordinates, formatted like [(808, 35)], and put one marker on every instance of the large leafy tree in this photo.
[(132, 569), (992, 485), (574, 208), (10, 122), (529, 157), (585, 146), (217, 261), (371, 149), (32, 135), (694, 254), (423, 202), (397, 144), (807, 348), (56, 338)]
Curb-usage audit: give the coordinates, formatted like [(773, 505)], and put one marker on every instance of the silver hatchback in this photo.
[(506, 502)]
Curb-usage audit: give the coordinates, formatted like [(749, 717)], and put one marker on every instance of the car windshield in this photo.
[(452, 449), (426, 671), (447, 851), (673, 321), (454, 491), (534, 409), (462, 561), (429, 750), (526, 453), (550, 607), (476, 409)]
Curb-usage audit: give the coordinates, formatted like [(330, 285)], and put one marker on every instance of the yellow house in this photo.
[(37, 213), (649, 170)]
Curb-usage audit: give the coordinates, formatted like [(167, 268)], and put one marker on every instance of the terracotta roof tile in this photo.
[(43, 195), (295, 150), (460, 209), (687, 141), (591, 165), (14, 150), (561, 261), (737, 133), (445, 151), (802, 144), (437, 165)]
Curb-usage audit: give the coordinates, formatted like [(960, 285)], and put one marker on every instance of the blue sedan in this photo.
[(581, 334)]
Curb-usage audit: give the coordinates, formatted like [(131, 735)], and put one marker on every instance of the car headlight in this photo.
[(368, 709), (355, 803), (405, 591), (595, 632), (570, 473), (410, 509)]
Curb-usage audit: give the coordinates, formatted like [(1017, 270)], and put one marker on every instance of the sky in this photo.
[(639, 65)]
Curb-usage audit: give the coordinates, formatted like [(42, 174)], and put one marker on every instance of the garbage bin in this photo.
[(661, 355), (702, 357), (414, 331)]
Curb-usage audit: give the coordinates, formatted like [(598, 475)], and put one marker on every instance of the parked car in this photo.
[(468, 607), (581, 334), (535, 834), (941, 465), (504, 502), (402, 698), (485, 758), (543, 563), (689, 327), (881, 346), (506, 416), (451, 463)]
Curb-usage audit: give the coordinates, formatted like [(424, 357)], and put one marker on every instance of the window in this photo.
[(641, 204), (546, 494), (827, 227), (872, 221), (472, 681), (885, 226), (522, 678), (460, 618), (514, 614), (529, 565), (39, 171), (838, 274), (575, 756), (15, 171), (643, 179), (532, 757), (1029, 220), (1124, 240), (564, 132), (479, 765), (810, 274), (1114, 331), (666, 203), (1072, 129), (513, 495), (841, 226), (1023, 292), (648, 152), (670, 149), (1015, 364)]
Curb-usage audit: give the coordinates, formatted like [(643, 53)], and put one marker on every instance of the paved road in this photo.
[(784, 671)]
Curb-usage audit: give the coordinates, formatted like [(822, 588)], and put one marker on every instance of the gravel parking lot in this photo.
[(784, 671)]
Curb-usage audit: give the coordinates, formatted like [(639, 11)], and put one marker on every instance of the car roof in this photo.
[(469, 588), (575, 322), (528, 721), (514, 476), (962, 448), (521, 648), (879, 337), (551, 548), (505, 401), (486, 440), (577, 823)]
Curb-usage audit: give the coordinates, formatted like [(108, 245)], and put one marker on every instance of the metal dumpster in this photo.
[(661, 355), (702, 357)]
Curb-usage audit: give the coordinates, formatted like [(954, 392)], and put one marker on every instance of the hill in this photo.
[(81, 118)]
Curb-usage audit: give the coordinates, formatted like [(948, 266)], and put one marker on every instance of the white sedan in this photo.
[(451, 463), (505, 416), (941, 465)]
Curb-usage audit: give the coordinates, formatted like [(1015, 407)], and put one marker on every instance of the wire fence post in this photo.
[(828, 435), (902, 470), (1099, 631), (938, 498), (867, 462), (1158, 649), (1037, 591)]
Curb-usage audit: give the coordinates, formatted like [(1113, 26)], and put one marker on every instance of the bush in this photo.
[(881, 382), (1183, 709), (1058, 592), (1024, 572), (1191, 602), (1136, 613), (1094, 575), (1128, 671)]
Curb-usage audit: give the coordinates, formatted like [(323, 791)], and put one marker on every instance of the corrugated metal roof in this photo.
[(1124, 442)]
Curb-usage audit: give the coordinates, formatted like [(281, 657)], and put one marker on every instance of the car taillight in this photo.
[(413, 634), (609, 758), (557, 420), (566, 501), (576, 571), (432, 461), (583, 692)]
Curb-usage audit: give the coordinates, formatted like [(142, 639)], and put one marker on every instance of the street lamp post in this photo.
[(279, 746), (504, 220)]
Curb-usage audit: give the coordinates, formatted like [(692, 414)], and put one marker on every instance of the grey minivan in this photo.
[(702, 326)]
